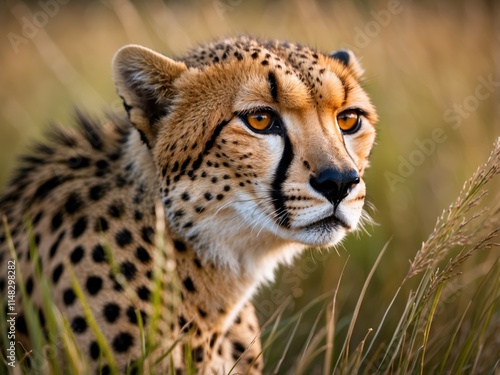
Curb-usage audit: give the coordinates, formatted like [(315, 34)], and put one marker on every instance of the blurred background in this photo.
[(432, 70)]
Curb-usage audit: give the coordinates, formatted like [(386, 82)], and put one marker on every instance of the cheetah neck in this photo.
[(212, 296), (224, 266), (214, 292)]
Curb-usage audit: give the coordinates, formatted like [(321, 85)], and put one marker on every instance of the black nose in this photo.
[(334, 185)]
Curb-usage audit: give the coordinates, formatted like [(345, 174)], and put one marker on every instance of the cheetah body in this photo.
[(187, 189)]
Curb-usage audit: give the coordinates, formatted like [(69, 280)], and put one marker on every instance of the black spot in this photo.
[(183, 324), (49, 185), (271, 78), (202, 312), (208, 196), (116, 209), (56, 221), (95, 350), (185, 196), (132, 316), (179, 213), (29, 286), (55, 245), (342, 56), (227, 188), (120, 181), (69, 297), (93, 284), (21, 325), (78, 324), (37, 239), (97, 192), (111, 312), (37, 218), (255, 55), (198, 354), (238, 349), (79, 227), (128, 270), (199, 209), (98, 254), (104, 370), (41, 317), (137, 215), (101, 224), (56, 274), (220, 197), (148, 234), (78, 162), (73, 203), (188, 283), (77, 254), (143, 293), (122, 342), (179, 246), (102, 165), (133, 368), (142, 254), (123, 238), (185, 163), (197, 263), (213, 339)]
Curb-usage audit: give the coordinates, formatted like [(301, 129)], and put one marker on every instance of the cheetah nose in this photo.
[(334, 185)]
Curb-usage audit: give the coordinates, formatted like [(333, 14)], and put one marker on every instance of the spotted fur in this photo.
[(236, 202)]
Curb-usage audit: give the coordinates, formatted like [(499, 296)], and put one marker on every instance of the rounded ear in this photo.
[(348, 59), (144, 80)]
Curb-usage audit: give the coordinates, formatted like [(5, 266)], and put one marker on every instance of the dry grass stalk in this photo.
[(458, 227)]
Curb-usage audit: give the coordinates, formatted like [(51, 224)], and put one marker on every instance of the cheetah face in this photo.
[(272, 143)]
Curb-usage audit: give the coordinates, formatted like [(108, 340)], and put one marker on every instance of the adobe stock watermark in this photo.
[(453, 116), (11, 313), (31, 25), (225, 6), (379, 20)]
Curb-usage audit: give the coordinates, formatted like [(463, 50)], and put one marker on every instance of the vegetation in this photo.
[(363, 307)]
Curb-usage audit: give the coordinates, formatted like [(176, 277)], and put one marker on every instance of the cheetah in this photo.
[(229, 161)]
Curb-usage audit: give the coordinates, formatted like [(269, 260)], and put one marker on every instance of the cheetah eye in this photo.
[(261, 120), (349, 121)]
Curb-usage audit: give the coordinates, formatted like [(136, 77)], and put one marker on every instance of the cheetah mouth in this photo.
[(328, 223)]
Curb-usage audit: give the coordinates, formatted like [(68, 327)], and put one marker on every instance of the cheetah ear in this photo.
[(144, 80), (348, 59)]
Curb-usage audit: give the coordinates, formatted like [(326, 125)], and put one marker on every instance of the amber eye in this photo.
[(260, 120), (349, 121)]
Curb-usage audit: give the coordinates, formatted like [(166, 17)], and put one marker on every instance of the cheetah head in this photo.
[(257, 148)]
